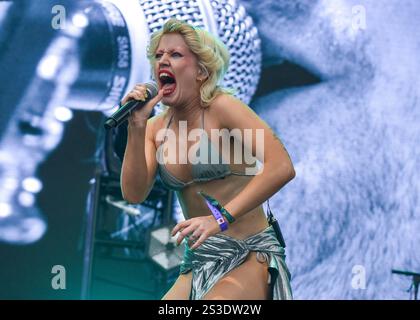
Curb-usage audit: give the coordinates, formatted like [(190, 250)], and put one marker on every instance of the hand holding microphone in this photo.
[(136, 106)]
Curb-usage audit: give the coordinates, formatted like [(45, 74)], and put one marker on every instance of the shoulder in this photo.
[(229, 110), (223, 100)]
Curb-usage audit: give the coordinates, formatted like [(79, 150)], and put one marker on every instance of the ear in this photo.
[(200, 73), (203, 74)]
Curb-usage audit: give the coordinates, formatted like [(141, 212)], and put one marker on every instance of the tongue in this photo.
[(168, 88)]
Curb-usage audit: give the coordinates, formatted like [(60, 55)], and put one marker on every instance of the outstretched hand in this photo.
[(198, 229)]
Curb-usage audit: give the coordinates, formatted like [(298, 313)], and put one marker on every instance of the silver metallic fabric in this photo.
[(221, 253)]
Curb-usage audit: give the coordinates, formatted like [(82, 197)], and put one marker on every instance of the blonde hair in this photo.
[(212, 55)]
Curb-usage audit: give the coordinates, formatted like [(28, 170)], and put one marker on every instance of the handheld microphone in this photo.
[(123, 112)]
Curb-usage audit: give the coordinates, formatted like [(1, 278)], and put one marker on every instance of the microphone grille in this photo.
[(232, 25), (152, 88)]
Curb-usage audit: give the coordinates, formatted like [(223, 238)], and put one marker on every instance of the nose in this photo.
[(164, 59)]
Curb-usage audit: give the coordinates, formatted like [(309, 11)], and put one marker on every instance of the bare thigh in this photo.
[(181, 288), (248, 281)]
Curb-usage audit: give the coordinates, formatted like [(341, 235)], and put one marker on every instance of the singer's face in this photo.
[(174, 55), (353, 138)]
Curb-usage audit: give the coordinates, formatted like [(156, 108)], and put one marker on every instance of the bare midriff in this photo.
[(224, 190)]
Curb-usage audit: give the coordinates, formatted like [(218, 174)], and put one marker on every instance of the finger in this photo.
[(132, 96), (140, 87), (199, 241), (140, 91), (183, 234), (179, 226), (196, 235), (139, 95), (157, 98)]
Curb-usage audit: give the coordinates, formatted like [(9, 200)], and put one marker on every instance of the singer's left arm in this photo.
[(277, 168)]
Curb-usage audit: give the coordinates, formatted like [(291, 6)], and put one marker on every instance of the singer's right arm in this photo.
[(139, 164)]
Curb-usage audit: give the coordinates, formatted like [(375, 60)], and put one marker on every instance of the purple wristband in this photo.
[(218, 216)]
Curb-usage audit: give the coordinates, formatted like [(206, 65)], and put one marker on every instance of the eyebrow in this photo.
[(171, 50)]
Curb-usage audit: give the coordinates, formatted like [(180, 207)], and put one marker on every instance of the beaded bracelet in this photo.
[(227, 215)]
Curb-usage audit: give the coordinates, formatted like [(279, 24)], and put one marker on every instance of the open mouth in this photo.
[(167, 82)]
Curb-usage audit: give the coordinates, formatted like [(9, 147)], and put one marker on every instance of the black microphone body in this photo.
[(123, 112)]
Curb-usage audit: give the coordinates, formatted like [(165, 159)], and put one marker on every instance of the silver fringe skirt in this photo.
[(220, 253)]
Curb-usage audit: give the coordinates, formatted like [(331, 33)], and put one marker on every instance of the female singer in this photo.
[(235, 255)]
